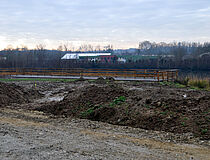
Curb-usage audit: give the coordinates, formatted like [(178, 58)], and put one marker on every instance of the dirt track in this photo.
[(29, 134), (32, 135)]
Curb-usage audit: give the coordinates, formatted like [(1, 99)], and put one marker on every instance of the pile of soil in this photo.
[(81, 100), (11, 93), (159, 108), (100, 80)]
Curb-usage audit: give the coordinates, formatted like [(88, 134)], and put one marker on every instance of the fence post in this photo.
[(162, 76), (158, 76), (176, 74), (144, 73), (172, 75), (167, 75)]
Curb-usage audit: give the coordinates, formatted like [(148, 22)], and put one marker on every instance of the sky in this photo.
[(123, 23)]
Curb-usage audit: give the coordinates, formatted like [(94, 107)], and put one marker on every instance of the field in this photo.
[(103, 119)]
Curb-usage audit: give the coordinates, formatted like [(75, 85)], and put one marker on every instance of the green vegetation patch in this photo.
[(90, 110), (199, 83), (118, 101)]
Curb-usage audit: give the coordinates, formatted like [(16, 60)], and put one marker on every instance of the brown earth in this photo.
[(64, 131), (143, 105), (11, 93)]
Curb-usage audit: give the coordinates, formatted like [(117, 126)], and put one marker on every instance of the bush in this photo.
[(183, 80), (203, 84)]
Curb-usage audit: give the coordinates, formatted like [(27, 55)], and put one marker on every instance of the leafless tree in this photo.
[(40, 47)]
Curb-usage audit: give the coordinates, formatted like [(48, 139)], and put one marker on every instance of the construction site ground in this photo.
[(102, 119)]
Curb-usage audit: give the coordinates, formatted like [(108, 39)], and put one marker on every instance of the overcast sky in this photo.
[(122, 23)]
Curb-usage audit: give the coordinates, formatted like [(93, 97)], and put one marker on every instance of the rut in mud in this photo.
[(151, 107)]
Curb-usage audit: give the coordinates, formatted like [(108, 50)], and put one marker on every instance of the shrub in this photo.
[(183, 80), (199, 83)]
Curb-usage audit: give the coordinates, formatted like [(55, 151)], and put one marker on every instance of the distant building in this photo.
[(108, 59), (91, 57), (83, 55), (70, 56), (121, 60), (3, 58)]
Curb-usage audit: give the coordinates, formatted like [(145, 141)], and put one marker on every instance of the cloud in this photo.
[(120, 22)]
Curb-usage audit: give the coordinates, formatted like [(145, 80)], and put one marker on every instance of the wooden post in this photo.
[(158, 76), (172, 75), (162, 76), (176, 74), (145, 73), (81, 73), (167, 75), (135, 74)]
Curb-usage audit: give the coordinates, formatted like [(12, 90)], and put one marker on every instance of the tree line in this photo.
[(182, 56)]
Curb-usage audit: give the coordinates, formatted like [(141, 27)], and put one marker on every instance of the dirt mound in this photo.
[(100, 80), (164, 109), (83, 102), (111, 79), (11, 93), (172, 115)]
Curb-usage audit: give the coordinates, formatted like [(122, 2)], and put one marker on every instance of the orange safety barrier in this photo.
[(159, 75)]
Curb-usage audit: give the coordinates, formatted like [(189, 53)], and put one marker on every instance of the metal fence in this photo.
[(155, 74)]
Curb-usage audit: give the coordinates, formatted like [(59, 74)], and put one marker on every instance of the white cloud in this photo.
[(121, 22)]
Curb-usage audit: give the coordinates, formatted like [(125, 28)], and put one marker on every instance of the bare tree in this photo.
[(98, 48), (60, 48), (40, 47), (9, 47)]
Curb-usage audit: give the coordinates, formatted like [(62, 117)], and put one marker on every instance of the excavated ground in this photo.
[(50, 121), (143, 106)]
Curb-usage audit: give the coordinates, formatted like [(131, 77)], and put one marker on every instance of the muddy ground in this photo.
[(151, 121)]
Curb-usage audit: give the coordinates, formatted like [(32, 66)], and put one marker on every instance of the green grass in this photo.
[(90, 110), (38, 79), (118, 101), (182, 123), (199, 83), (195, 82), (204, 131), (87, 112)]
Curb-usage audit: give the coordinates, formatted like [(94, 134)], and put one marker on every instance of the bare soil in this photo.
[(155, 107), (75, 120), (11, 93)]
